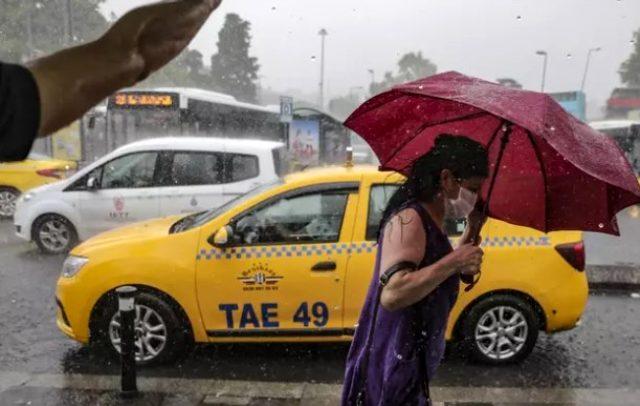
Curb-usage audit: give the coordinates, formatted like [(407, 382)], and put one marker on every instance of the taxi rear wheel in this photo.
[(8, 198), (54, 234), (501, 329), (159, 333)]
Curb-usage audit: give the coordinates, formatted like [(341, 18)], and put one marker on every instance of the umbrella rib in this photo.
[(427, 125), (495, 134), (544, 177)]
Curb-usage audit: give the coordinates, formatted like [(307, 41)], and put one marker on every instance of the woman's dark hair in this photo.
[(464, 157)]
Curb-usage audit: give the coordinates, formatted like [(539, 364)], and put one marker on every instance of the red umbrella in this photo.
[(550, 171)]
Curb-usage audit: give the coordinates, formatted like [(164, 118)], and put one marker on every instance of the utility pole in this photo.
[(323, 34)]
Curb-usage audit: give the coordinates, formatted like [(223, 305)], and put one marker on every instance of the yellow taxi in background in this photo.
[(18, 177), (292, 261)]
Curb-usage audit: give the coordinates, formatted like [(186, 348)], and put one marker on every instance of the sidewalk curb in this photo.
[(622, 277), (248, 392)]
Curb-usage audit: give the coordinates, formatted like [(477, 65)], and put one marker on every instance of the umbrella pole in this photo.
[(504, 140)]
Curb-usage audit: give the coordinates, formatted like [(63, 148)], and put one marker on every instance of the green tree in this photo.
[(411, 66), (186, 70), (630, 69), (233, 71), (31, 28)]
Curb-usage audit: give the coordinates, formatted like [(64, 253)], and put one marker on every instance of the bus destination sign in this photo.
[(143, 100)]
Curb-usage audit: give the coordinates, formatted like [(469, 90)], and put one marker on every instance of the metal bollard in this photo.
[(127, 309)]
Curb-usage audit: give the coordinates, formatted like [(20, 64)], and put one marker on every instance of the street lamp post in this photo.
[(586, 66), (323, 34), (544, 68)]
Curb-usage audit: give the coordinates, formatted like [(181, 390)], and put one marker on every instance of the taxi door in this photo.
[(282, 275)]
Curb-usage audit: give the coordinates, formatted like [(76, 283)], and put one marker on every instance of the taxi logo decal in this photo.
[(284, 251), (259, 277)]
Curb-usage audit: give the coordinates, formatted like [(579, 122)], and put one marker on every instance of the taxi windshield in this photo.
[(198, 219)]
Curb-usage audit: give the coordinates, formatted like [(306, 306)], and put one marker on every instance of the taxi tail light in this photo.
[(50, 173), (573, 253)]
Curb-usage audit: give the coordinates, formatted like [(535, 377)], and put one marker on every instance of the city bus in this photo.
[(133, 115)]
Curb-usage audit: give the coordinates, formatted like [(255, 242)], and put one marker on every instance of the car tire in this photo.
[(162, 320), (54, 234), (501, 329), (8, 198)]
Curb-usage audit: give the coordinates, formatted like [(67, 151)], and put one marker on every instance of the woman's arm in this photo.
[(72, 81), (404, 240)]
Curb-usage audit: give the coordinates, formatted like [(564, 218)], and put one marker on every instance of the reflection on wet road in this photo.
[(603, 353)]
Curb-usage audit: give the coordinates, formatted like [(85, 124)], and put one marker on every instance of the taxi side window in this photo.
[(378, 199), (308, 218), (130, 171)]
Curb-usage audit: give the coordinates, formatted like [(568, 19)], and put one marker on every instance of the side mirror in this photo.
[(92, 183), (222, 237)]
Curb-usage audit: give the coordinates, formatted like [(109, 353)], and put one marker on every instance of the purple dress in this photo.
[(406, 346)]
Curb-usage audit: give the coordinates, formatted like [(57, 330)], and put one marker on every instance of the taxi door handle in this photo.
[(324, 267)]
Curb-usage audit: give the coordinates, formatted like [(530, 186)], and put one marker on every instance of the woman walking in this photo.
[(399, 341)]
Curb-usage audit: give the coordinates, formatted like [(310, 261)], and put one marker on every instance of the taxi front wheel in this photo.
[(501, 329), (160, 336)]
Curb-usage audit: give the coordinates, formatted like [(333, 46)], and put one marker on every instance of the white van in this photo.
[(143, 180)]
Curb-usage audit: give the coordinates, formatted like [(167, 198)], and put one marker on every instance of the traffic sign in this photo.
[(286, 109)]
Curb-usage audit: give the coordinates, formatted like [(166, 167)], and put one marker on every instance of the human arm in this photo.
[(73, 80), (404, 239)]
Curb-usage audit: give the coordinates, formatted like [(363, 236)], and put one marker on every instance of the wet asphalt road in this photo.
[(603, 353)]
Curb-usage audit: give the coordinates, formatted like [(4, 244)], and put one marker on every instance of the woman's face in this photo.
[(451, 185)]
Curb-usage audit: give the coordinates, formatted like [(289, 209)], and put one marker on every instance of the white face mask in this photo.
[(462, 206)]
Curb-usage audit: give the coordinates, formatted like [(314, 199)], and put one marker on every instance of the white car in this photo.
[(143, 180)]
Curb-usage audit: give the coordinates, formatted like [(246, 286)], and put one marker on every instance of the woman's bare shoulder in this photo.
[(404, 236)]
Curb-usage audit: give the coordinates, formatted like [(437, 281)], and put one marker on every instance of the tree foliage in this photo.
[(186, 70), (630, 69), (29, 29), (411, 66), (233, 71)]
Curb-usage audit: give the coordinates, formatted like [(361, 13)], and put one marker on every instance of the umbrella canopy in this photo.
[(554, 173)]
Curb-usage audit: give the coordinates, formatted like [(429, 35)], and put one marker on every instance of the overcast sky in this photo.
[(485, 38)]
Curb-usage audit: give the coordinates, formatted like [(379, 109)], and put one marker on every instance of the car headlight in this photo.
[(27, 196), (72, 265)]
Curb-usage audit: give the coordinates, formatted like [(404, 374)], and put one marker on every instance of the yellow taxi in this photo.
[(292, 261), (18, 177)]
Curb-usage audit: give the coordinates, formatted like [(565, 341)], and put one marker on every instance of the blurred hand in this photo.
[(466, 259), (157, 33), (73, 80)]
